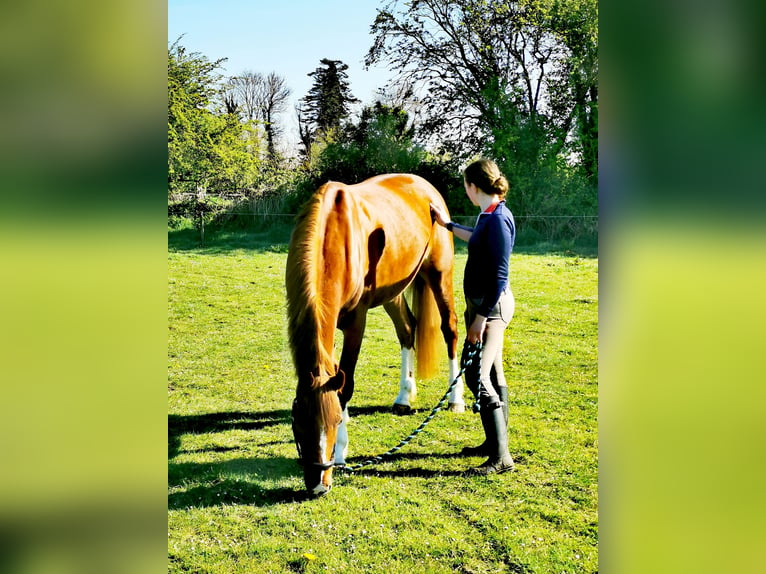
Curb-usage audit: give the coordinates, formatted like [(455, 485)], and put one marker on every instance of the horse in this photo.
[(355, 247)]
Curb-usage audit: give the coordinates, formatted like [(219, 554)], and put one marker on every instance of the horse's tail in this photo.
[(427, 329)]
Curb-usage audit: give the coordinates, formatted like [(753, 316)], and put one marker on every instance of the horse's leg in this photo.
[(341, 440), (441, 285), (353, 326), (404, 323)]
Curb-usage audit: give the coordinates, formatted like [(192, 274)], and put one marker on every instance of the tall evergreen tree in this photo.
[(328, 102)]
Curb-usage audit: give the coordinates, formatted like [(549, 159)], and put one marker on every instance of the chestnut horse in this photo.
[(355, 247)]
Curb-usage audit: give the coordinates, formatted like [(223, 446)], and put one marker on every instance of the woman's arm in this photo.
[(458, 230)]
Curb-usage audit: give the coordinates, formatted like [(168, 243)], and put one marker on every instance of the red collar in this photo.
[(491, 208)]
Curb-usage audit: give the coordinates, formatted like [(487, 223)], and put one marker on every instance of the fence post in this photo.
[(201, 211)]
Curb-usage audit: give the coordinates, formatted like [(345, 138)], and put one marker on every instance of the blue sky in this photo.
[(288, 37)]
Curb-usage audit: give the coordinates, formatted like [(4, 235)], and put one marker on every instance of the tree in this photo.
[(511, 79), (273, 103), (327, 104), (246, 90), (259, 98), (380, 142), (205, 149), (478, 63), (381, 120), (575, 22), (191, 86)]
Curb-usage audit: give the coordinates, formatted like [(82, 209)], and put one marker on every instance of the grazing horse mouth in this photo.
[(313, 472), (312, 468), (320, 490)]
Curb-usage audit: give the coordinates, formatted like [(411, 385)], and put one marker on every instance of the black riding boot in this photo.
[(482, 449), (494, 424), (470, 361)]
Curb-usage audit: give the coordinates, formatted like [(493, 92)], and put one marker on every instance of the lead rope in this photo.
[(472, 353)]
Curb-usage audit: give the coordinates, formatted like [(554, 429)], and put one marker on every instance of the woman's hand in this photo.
[(476, 330), (439, 216)]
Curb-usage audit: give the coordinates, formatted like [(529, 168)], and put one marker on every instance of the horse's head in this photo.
[(315, 418)]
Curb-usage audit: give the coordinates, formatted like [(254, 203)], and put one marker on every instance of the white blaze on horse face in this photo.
[(456, 396), (407, 388), (323, 447), (325, 480), (341, 442)]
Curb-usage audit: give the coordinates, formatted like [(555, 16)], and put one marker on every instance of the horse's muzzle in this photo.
[(313, 478), (320, 490)]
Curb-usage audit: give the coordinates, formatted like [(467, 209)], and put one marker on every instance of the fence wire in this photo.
[(531, 228)]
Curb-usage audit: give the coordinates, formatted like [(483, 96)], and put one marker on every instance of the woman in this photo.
[(489, 303)]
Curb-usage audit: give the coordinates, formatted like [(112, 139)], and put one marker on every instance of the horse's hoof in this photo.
[(456, 407), (402, 409)]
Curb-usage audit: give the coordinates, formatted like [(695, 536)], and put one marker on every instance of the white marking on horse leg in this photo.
[(407, 388), (456, 402), (341, 442)]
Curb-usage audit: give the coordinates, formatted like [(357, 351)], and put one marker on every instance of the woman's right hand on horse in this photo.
[(439, 216)]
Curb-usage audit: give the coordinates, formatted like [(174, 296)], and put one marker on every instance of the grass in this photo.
[(235, 492)]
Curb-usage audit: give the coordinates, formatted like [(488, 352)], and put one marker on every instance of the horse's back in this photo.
[(408, 190), (385, 220), (399, 205)]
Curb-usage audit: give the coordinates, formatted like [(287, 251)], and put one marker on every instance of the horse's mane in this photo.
[(305, 311)]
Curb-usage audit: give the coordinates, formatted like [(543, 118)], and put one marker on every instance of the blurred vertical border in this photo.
[(83, 304), (682, 282)]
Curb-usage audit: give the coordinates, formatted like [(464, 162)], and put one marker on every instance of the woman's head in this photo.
[(486, 176)]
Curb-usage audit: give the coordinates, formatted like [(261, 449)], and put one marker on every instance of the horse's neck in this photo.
[(325, 344), (314, 346), (334, 276), (341, 262)]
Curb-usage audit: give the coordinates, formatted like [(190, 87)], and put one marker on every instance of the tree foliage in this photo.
[(381, 141), (259, 98), (512, 79), (327, 104), (205, 150)]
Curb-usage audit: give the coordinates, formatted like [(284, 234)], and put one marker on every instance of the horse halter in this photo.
[(320, 465)]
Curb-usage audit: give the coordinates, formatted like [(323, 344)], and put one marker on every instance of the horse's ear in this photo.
[(336, 383)]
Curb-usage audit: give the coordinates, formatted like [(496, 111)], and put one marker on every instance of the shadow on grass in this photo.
[(367, 410), (206, 483), (387, 410), (406, 472), (217, 491), (220, 422)]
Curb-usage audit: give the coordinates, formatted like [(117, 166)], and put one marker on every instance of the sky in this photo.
[(288, 37)]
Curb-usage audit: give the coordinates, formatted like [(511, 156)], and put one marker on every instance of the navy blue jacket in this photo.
[(489, 251)]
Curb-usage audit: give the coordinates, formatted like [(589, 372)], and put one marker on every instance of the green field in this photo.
[(235, 492)]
